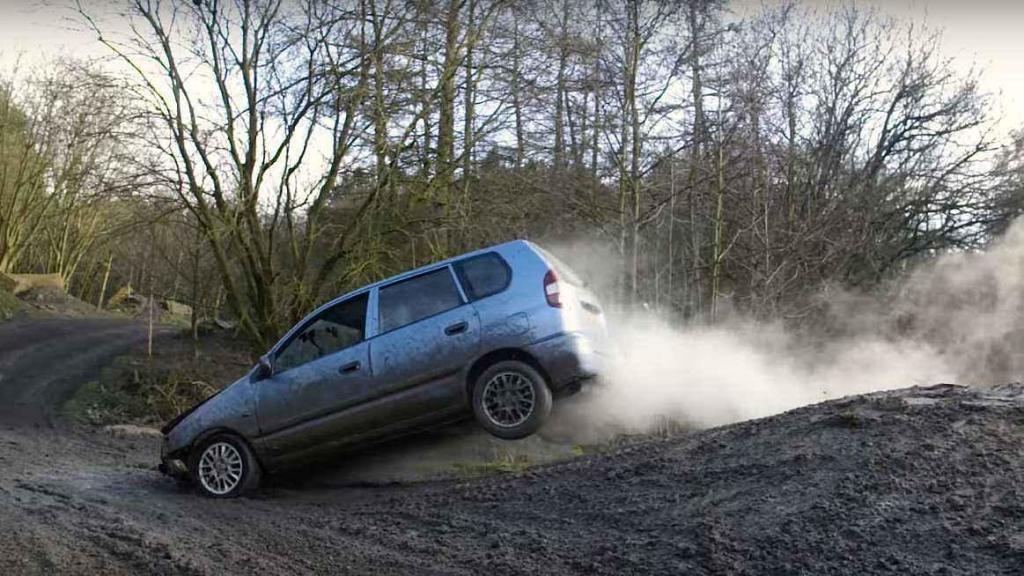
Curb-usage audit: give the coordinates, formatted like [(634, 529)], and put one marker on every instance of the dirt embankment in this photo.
[(919, 481)]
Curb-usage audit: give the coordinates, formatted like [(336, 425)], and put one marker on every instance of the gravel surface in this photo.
[(917, 481)]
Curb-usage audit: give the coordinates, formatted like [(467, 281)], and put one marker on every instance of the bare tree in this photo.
[(24, 200)]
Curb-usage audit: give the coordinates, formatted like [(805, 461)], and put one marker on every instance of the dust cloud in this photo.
[(957, 318)]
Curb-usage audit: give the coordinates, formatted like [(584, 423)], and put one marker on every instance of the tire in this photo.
[(511, 400), (229, 470)]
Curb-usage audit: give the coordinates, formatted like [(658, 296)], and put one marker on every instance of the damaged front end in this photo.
[(229, 410), (173, 461), (172, 466)]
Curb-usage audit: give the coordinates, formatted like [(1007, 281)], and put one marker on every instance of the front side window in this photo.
[(417, 298), (338, 327), (483, 275)]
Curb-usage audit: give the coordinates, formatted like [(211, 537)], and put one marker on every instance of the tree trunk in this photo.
[(719, 247), (103, 285), (563, 58), (517, 104), (469, 112), (446, 128), (697, 282)]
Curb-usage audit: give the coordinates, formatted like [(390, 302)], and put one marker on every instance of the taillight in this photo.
[(552, 292)]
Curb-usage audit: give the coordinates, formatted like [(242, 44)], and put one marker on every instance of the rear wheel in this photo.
[(224, 467), (511, 400)]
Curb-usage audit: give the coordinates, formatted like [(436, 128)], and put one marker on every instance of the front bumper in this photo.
[(174, 468), (170, 464)]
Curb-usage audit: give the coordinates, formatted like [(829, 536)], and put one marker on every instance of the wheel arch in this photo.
[(202, 437), (500, 355)]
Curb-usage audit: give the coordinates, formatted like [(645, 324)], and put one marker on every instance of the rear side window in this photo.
[(417, 298), (483, 275), (337, 328)]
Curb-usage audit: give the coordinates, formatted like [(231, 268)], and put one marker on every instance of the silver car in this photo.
[(495, 333)]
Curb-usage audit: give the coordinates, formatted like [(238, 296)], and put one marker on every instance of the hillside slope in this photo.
[(917, 481)]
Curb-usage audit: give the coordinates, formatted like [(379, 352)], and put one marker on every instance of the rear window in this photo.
[(565, 273), (483, 275), (412, 300)]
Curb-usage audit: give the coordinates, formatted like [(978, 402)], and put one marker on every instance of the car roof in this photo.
[(500, 248), (439, 264)]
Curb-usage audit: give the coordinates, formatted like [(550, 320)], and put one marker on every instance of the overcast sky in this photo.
[(989, 33)]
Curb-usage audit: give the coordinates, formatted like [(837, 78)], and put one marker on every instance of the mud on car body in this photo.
[(495, 334)]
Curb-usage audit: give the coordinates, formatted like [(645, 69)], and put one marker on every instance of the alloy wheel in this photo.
[(509, 399), (220, 468)]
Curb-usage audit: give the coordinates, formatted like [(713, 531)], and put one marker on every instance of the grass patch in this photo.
[(503, 463), (150, 390), (176, 320), (9, 305), (131, 390), (99, 404)]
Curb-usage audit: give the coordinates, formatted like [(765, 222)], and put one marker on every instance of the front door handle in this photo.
[(457, 328), (349, 368)]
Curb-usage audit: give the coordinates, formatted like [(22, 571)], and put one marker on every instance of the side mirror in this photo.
[(264, 369)]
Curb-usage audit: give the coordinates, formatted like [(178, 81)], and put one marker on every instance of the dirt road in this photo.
[(923, 481)]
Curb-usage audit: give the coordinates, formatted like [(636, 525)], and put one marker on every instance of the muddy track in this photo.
[(42, 361), (923, 481)]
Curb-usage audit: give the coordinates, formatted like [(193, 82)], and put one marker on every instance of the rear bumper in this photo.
[(568, 358)]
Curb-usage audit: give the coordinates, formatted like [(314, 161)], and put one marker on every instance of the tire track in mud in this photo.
[(43, 361), (86, 503), (80, 533)]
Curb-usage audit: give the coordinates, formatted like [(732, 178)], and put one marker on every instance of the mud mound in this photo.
[(54, 301), (20, 283), (457, 451), (918, 481)]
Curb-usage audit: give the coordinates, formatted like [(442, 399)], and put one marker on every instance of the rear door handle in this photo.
[(457, 328), (349, 368)]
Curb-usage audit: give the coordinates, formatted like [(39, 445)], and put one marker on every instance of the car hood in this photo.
[(232, 409), (177, 419)]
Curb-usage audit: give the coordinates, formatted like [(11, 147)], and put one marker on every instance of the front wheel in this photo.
[(511, 400), (224, 467)]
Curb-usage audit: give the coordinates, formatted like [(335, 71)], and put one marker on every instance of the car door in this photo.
[(427, 334), (322, 369)]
